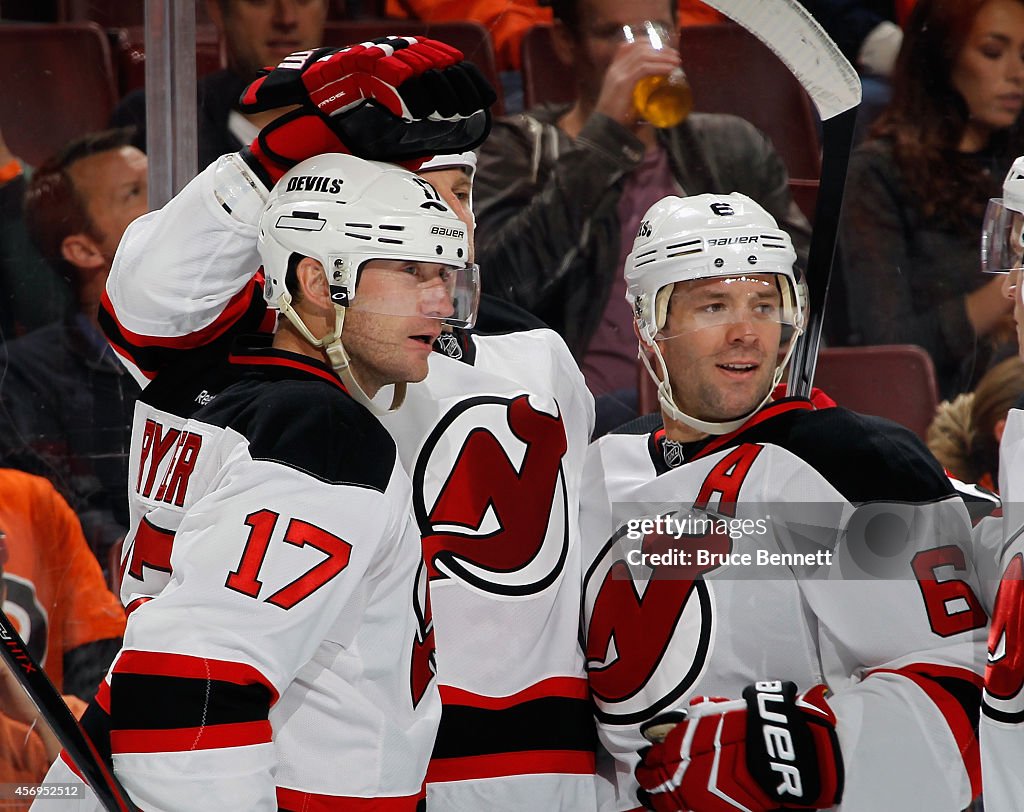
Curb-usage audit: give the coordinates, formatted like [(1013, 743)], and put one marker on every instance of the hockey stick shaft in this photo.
[(795, 37), (40, 690), (838, 139)]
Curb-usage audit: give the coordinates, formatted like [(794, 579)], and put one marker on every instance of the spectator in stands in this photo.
[(33, 293), (966, 431), (915, 192), (66, 402), (53, 591), (561, 189), (508, 20), (868, 33), (255, 34)]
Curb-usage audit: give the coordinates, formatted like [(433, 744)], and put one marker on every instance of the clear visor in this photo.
[(763, 300), (1002, 238), (407, 288)]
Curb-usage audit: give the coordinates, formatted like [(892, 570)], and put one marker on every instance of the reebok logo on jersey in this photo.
[(314, 183), (777, 738), (203, 398)]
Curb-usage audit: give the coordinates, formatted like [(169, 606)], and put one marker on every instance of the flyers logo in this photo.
[(648, 637), (28, 615), (1004, 675), (490, 496), (424, 665)]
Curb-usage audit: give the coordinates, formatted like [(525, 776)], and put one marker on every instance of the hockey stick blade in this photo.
[(795, 37), (64, 725)]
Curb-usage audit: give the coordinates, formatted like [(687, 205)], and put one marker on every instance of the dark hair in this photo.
[(926, 118), (54, 208), (568, 12)]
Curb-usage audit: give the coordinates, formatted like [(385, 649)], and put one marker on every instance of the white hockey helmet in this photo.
[(701, 237), (1002, 234), (344, 211)]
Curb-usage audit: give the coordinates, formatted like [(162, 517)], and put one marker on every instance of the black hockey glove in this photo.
[(771, 750), (398, 99)]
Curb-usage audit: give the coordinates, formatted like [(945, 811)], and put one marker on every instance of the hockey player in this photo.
[(494, 439), (777, 596), (1002, 719), (294, 604)]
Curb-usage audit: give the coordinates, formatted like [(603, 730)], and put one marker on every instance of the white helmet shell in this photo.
[(343, 211), (700, 237)]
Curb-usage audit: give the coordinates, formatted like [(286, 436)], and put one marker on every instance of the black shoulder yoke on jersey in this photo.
[(293, 410), (865, 458)]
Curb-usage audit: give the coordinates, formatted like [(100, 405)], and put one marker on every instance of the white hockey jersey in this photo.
[(279, 652), (495, 443), (877, 598), (1002, 719)]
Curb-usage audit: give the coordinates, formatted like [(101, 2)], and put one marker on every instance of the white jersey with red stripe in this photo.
[(1002, 718), (495, 443), (817, 546), (517, 730), (279, 650)]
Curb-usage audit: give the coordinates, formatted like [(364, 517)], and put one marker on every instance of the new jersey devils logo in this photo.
[(491, 498), (424, 665), (649, 630), (1004, 676)]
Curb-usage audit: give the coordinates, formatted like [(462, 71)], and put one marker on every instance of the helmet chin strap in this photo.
[(339, 358), (668, 403)]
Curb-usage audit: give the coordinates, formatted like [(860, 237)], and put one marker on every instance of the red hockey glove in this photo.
[(771, 750), (399, 99)]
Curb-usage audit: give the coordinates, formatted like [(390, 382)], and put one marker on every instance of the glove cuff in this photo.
[(267, 171)]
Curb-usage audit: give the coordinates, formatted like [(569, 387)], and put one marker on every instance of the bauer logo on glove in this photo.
[(772, 749)]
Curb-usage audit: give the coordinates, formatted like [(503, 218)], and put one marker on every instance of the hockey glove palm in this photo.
[(772, 749), (396, 99)]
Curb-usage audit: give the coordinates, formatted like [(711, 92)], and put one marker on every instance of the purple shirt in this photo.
[(610, 362)]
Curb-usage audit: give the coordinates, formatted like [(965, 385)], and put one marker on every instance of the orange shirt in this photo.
[(508, 20), (56, 594), (23, 758)]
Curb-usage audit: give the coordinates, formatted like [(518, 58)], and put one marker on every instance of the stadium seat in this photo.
[(469, 37), (730, 71), (896, 381), (58, 84), (113, 13)]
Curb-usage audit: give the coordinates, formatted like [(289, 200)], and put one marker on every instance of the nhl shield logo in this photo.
[(491, 497), (448, 344)]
